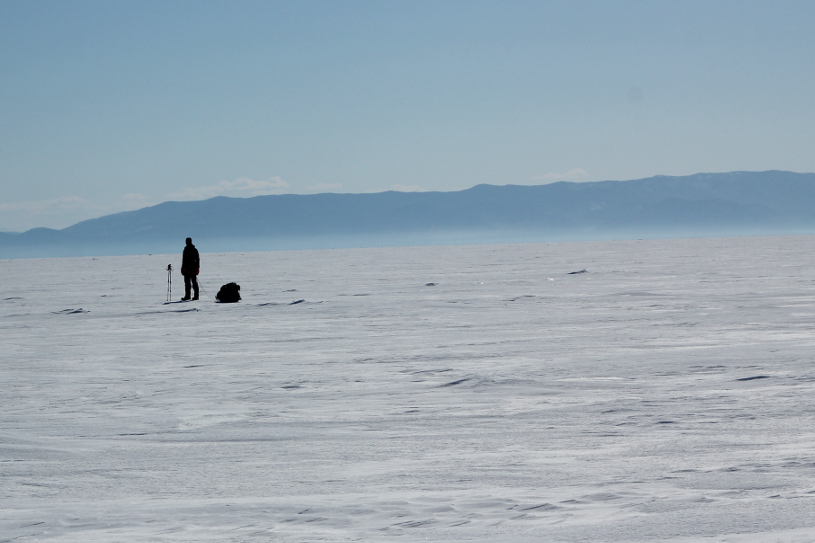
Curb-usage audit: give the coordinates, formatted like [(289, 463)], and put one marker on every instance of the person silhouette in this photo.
[(190, 266)]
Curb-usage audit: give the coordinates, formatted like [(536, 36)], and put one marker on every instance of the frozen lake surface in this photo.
[(474, 393)]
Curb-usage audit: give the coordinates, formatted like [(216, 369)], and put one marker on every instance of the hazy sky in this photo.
[(114, 105)]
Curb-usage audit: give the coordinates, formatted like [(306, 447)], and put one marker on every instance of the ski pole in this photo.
[(169, 282)]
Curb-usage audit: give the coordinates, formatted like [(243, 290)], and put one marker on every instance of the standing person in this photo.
[(190, 266)]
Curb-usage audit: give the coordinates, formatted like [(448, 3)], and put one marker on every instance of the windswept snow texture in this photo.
[(667, 394)]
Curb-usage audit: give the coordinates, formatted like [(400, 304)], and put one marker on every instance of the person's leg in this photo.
[(194, 287), (186, 287)]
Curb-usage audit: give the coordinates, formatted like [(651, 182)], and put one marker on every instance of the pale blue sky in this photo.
[(110, 105)]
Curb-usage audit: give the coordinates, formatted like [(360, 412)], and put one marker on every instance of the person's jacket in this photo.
[(190, 261)]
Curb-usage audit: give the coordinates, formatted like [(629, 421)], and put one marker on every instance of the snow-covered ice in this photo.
[(473, 393)]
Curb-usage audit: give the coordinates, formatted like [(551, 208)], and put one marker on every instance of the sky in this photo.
[(113, 106)]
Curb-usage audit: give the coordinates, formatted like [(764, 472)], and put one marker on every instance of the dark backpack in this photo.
[(229, 293)]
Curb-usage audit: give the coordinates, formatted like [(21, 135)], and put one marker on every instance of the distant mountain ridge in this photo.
[(772, 202)]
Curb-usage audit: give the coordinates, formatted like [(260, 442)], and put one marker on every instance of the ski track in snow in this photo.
[(666, 394)]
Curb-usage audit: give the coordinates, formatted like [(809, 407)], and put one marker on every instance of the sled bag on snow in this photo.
[(229, 293)]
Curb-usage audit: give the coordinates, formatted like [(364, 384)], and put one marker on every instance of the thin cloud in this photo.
[(54, 213), (239, 187), (134, 197), (132, 201), (408, 188), (64, 203), (575, 174), (127, 202)]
